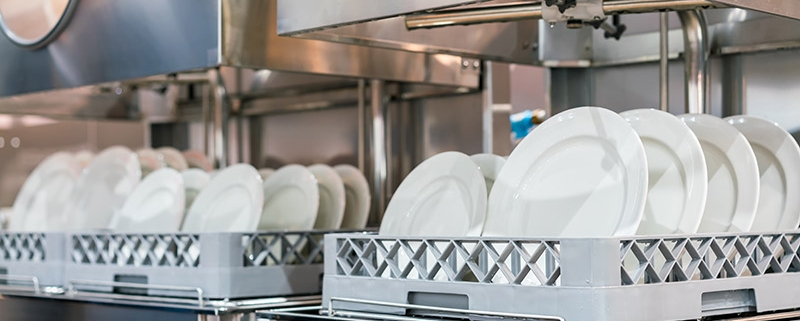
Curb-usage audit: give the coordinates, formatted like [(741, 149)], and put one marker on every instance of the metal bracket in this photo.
[(333, 313), (581, 10), (32, 279), (72, 290)]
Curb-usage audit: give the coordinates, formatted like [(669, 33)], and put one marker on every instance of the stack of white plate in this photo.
[(156, 191), (589, 172)]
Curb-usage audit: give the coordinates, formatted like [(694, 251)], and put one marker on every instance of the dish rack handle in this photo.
[(72, 289), (34, 281)]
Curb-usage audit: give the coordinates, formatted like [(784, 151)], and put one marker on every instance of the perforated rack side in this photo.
[(31, 259), (221, 265), (643, 278)]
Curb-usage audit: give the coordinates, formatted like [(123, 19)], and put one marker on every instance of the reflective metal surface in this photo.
[(378, 149), (34, 23), (295, 15), (113, 40), (789, 9), (250, 39), (512, 42), (663, 67), (695, 44)]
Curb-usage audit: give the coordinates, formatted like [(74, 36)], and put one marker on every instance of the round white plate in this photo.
[(581, 173), (173, 158), (149, 160), (677, 177), (231, 202), (733, 185), (194, 181), (357, 197), (331, 197), (156, 204), (40, 203), (490, 165), (197, 159), (265, 173), (102, 189), (291, 200), (778, 158), (443, 196)]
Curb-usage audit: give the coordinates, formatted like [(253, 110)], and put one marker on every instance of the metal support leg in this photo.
[(695, 39), (362, 111), (220, 119), (663, 70), (486, 113), (378, 147)]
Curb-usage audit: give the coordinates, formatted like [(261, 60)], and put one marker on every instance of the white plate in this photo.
[(778, 158), (443, 196), (331, 197), (40, 203), (732, 175), (291, 200), (581, 173), (102, 189), (194, 181), (357, 197), (156, 204), (490, 165), (231, 202), (265, 173), (173, 158), (149, 160), (197, 159), (678, 181)]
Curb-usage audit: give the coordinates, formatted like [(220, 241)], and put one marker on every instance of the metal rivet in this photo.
[(476, 64), (15, 142)]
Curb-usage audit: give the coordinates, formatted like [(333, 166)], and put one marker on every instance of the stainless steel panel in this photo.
[(512, 42), (772, 89), (325, 136), (561, 46), (250, 40), (445, 128), (112, 40), (295, 15), (789, 9)]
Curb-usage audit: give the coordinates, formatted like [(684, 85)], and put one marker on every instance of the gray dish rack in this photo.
[(637, 278), (200, 266)]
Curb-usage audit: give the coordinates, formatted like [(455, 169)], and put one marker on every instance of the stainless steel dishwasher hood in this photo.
[(112, 40)]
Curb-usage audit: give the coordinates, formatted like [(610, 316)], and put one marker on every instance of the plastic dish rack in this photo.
[(641, 278), (31, 260), (199, 266)]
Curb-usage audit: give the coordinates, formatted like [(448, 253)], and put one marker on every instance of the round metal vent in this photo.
[(33, 24)]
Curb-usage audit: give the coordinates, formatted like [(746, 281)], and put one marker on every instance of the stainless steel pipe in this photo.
[(515, 11), (378, 149), (695, 56), (663, 66), (220, 119)]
